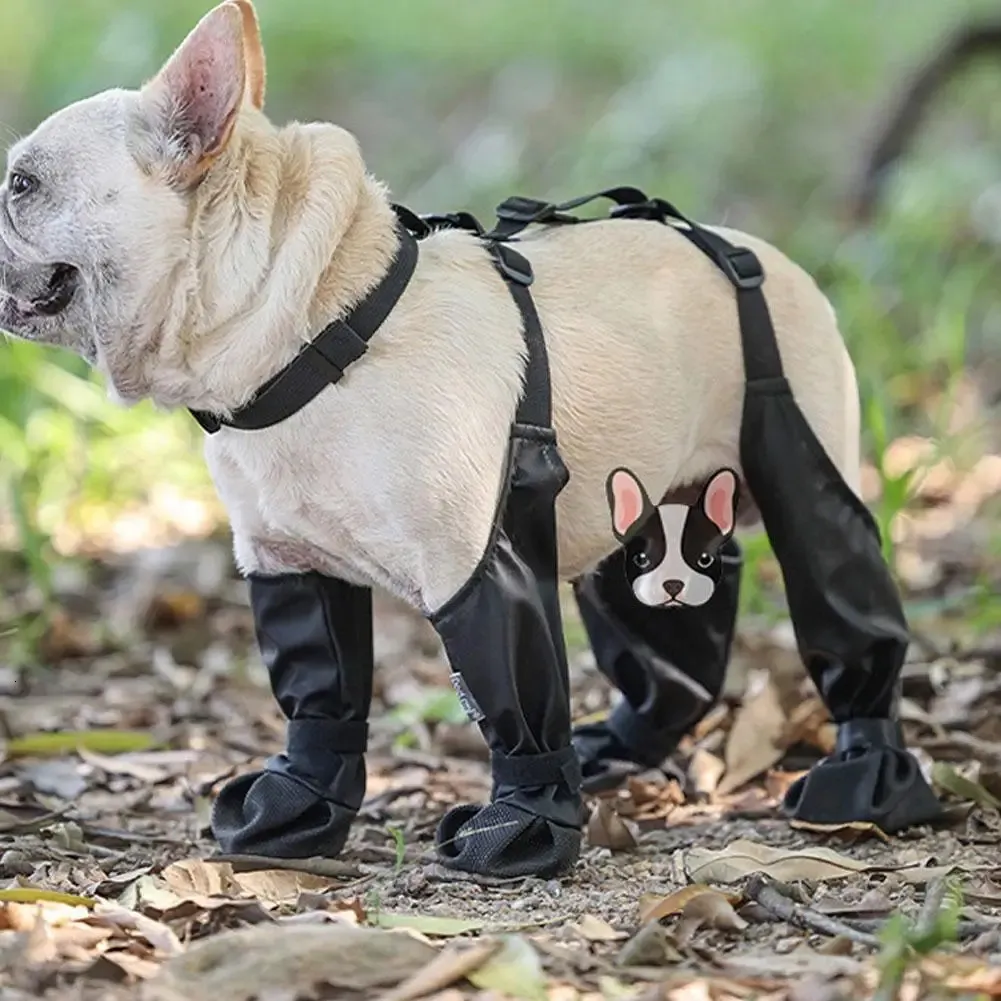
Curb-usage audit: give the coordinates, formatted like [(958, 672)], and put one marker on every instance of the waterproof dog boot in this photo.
[(315, 635), (845, 609), (669, 665), (504, 640)]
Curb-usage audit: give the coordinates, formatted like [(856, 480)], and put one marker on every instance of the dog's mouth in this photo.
[(62, 286)]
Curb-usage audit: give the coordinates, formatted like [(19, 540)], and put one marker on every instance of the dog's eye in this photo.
[(642, 561), (704, 561), (21, 184)]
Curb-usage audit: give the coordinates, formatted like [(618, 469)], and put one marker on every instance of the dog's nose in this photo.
[(674, 587)]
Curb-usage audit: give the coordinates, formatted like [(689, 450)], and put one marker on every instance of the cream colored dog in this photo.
[(188, 248)]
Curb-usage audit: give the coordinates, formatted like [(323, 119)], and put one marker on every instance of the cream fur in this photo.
[(194, 292)]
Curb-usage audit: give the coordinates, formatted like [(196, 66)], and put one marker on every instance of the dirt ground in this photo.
[(153, 657)]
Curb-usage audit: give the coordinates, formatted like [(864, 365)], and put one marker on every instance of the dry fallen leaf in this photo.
[(455, 962), (285, 962), (710, 909), (872, 904), (432, 925), (606, 829), (851, 830), (704, 772), (652, 945), (810, 723), (196, 878), (514, 971), (595, 930), (755, 742), (655, 908), (743, 857)]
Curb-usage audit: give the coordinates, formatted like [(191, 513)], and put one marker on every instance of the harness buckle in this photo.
[(742, 267), (512, 266), (520, 209), (454, 220)]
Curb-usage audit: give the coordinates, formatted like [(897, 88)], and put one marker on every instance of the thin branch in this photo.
[(330, 868), (969, 42), (766, 892)]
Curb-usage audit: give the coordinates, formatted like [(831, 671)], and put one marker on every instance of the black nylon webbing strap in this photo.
[(323, 361), (741, 266), (535, 408), (528, 770)]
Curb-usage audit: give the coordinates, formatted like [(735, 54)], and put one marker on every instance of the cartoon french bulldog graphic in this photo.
[(671, 549)]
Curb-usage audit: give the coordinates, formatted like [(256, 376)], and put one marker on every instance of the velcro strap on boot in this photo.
[(863, 734), (311, 738), (527, 770)]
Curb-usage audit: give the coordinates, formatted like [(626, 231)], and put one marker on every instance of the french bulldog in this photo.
[(191, 249), (188, 247)]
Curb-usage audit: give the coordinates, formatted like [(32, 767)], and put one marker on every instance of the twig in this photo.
[(330, 868), (765, 891), (129, 837), (34, 824), (371, 806), (964, 930), (986, 751), (968, 42), (934, 899)]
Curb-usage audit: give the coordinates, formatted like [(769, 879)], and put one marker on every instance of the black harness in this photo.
[(502, 630), (324, 360)]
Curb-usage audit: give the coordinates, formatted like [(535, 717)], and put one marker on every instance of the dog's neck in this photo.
[(321, 234)]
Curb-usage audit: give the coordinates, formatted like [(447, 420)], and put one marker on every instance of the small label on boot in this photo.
[(466, 700)]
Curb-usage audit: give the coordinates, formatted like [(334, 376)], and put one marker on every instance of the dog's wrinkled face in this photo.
[(95, 204), (672, 551)]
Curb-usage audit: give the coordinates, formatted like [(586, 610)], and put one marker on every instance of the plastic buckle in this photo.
[(651, 209), (526, 210), (512, 266), (454, 220), (742, 267)]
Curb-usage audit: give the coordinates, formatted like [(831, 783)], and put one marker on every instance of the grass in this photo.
[(739, 112)]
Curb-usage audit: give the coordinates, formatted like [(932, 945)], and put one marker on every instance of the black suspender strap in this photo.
[(323, 361), (741, 267)]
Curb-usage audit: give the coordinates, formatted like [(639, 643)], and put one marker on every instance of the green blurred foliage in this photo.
[(743, 111)]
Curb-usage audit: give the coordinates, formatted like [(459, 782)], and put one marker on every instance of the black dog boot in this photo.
[(504, 640), (844, 605), (315, 635), (669, 665)]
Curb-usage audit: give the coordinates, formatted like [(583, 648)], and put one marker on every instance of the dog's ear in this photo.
[(628, 502), (192, 103), (719, 500), (253, 53)]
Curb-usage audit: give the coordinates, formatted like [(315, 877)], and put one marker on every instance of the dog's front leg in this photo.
[(315, 635), (503, 636)]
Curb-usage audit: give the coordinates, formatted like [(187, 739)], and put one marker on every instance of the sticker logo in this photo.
[(672, 550)]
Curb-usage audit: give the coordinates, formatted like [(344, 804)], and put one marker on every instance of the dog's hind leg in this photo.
[(669, 665), (844, 605)]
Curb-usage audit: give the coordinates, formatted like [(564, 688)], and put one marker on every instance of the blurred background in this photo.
[(760, 115)]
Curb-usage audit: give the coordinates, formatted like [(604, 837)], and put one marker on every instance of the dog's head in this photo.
[(672, 551), (102, 221)]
